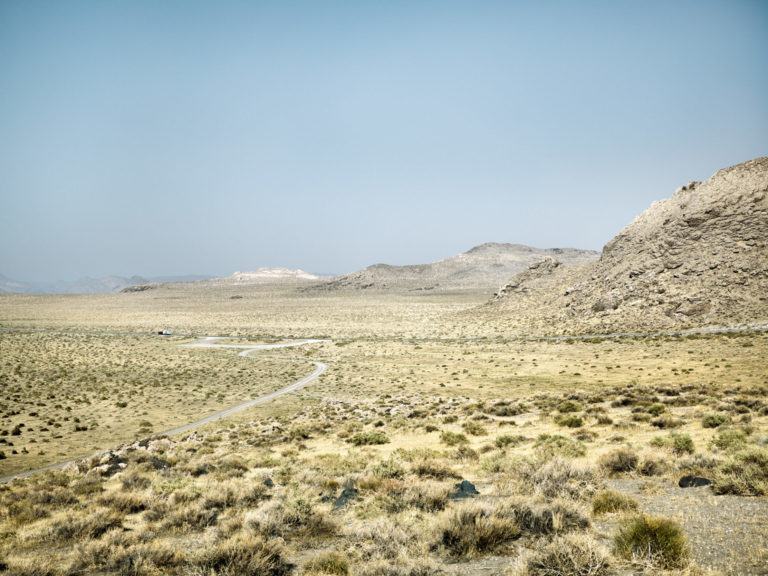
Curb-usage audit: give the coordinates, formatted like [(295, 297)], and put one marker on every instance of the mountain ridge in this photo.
[(484, 267)]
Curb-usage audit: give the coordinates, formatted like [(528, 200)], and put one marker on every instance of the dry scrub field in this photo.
[(574, 447)]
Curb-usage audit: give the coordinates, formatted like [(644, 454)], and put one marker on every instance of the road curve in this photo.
[(210, 342)]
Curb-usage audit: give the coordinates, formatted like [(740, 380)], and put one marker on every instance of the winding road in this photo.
[(212, 342)]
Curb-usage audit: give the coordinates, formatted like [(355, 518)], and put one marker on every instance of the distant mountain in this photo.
[(267, 276), (484, 267), (184, 278), (86, 285), (697, 258), (261, 276), (8, 285)]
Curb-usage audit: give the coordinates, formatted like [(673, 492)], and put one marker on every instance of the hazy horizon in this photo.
[(177, 138)]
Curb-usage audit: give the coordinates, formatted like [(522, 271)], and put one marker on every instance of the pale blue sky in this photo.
[(165, 137)]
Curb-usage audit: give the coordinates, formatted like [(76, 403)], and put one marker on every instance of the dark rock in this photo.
[(159, 463), (346, 497), (268, 482), (693, 482), (464, 489)]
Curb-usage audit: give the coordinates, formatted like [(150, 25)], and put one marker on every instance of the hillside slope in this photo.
[(697, 258), (484, 267)]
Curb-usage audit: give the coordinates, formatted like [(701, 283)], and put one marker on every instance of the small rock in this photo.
[(464, 489), (693, 482), (346, 497)]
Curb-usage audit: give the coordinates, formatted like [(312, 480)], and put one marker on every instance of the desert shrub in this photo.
[(652, 539), (294, 514), (568, 406), (569, 555), (299, 433), (331, 563), (678, 442), (476, 529), (555, 517), (35, 566), (428, 497), (388, 469), (431, 468), (126, 502), (651, 467), (231, 467), (474, 428), (569, 420), (194, 516), (507, 440), (465, 454), (555, 444), (77, 527), (682, 443), (123, 552), (244, 555), (656, 409), (560, 477), (402, 567), (729, 440), (744, 473), (610, 501), (453, 438), (713, 420), (620, 460), (369, 438), (431, 428)]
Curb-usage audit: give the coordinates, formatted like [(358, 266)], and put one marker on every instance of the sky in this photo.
[(171, 137)]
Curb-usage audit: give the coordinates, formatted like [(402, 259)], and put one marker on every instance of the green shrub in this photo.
[(744, 473), (729, 440), (610, 501), (667, 421), (474, 428), (654, 539), (682, 443), (369, 438), (569, 420), (507, 440), (656, 409), (552, 444), (453, 438), (388, 469), (714, 420), (569, 406)]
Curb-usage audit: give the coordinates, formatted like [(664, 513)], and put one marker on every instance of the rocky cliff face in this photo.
[(699, 257)]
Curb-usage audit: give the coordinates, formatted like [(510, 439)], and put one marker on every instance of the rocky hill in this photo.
[(697, 258), (484, 267)]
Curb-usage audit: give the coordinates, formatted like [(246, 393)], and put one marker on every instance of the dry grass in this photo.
[(258, 493)]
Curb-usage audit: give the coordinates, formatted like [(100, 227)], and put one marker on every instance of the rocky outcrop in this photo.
[(699, 257)]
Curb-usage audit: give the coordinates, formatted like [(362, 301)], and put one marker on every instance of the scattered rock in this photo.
[(693, 482), (347, 495), (464, 489)]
